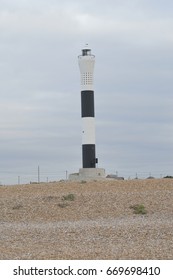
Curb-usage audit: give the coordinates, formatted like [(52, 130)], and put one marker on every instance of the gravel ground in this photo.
[(41, 222)]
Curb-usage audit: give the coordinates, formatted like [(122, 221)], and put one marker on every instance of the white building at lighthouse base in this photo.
[(88, 174)]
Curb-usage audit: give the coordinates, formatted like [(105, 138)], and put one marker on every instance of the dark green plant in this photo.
[(139, 209)]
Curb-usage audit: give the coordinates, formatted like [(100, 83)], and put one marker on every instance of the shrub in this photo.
[(69, 197), (139, 209), (168, 177)]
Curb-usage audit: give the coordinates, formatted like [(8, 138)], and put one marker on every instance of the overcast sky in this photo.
[(40, 114)]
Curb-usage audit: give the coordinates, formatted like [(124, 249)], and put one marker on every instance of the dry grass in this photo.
[(68, 220)]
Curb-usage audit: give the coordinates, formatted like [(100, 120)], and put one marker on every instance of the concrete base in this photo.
[(88, 174)]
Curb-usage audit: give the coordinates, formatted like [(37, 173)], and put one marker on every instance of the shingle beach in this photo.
[(87, 220)]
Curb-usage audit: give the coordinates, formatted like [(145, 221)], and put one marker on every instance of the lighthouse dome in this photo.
[(86, 50)]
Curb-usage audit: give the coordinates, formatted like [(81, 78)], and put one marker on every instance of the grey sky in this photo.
[(40, 121)]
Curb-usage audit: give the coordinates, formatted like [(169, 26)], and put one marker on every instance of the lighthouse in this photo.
[(89, 171), (86, 65)]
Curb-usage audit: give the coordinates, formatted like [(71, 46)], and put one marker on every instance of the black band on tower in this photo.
[(87, 103), (88, 154)]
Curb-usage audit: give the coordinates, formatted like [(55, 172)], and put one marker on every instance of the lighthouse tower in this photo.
[(88, 171), (86, 65)]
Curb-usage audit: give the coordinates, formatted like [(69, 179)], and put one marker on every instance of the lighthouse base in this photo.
[(88, 174)]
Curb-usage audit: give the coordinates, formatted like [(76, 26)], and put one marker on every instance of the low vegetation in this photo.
[(69, 197), (139, 209), (65, 198)]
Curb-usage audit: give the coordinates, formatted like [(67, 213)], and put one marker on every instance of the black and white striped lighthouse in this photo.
[(89, 171), (86, 65)]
